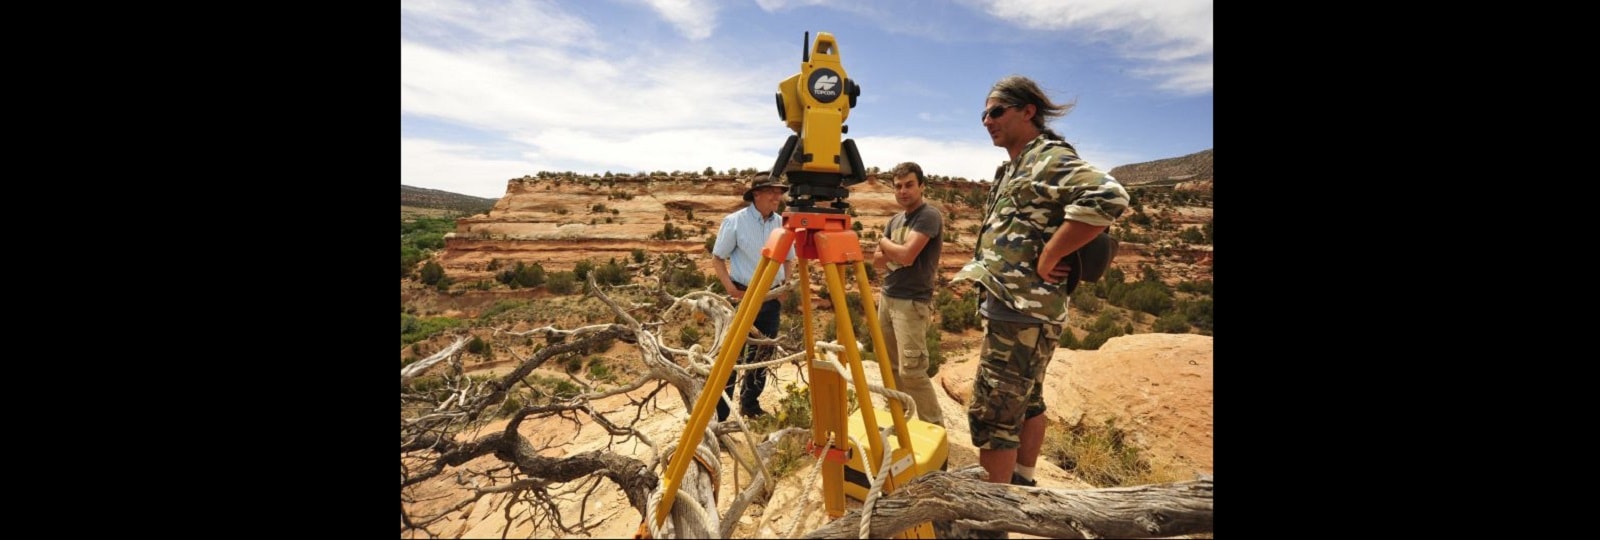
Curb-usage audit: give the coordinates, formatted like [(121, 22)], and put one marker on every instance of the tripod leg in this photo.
[(828, 415), (852, 359), (903, 457), (870, 312), (744, 318)]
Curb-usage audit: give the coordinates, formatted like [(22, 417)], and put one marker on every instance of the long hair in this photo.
[(1017, 91)]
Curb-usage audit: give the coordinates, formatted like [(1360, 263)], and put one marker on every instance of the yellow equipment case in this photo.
[(927, 440)]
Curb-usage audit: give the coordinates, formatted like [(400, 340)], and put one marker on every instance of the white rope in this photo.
[(877, 485), (833, 364), (650, 518), (696, 522)]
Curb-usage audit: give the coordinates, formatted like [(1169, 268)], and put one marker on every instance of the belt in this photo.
[(744, 287)]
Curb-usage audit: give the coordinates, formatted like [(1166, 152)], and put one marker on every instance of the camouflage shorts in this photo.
[(1009, 385)]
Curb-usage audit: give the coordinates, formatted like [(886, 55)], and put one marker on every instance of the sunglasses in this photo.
[(995, 112)]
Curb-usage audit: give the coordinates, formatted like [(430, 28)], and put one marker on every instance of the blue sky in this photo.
[(494, 90)]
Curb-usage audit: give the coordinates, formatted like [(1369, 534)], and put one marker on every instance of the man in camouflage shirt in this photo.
[(1046, 203)]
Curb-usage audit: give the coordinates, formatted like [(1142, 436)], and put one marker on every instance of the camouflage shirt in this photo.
[(1047, 185)]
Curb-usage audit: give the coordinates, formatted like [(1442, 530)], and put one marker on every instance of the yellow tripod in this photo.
[(827, 238)]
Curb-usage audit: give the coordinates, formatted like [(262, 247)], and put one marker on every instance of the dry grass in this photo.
[(1102, 456)]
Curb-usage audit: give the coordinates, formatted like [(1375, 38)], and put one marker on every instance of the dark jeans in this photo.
[(755, 380)]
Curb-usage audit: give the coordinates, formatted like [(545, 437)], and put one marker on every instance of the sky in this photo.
[(497, 89)]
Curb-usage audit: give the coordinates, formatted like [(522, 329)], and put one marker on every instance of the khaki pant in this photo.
[(905, 325)]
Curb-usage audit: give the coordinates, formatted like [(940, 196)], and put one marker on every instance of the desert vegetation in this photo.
[(644, 325), (441, 403)]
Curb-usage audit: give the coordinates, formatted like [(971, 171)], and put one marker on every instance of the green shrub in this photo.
[(1084, 299), (502, 306), (610, 273), (638, 255), (1147, 296), (1094, 340), (794, 410), (1104, 322), (1139, 218), (582, 268), (561, 283), (1173, 322), (530, 275), (564, 389), (425, 225), (477, 346), (688, 336), (1197, 287), (432, 273), (680, 281), (1198, 313), (420, 329), (510, 406), (1068, 340), (1149, 274), (409, 257), (1114, 275), (598, 370), (956, 315)]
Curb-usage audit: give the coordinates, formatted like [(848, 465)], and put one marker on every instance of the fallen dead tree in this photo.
[(437, 438), (968, 502)]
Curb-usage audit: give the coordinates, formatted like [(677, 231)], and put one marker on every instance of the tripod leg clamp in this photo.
[(833, 454)]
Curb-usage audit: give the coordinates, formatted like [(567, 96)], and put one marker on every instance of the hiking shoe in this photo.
[(1018, 480), (753, 413)]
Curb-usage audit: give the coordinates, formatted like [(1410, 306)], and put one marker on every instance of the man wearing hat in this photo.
[(734, 257)]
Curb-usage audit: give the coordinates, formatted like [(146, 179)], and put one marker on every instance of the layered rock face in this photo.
[(557, 222)]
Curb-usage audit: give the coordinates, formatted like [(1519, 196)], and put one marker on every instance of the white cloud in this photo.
[(971, 160), (460, 168), (499, 22), (1175, 35), (779, 5), (515, 91), (667, 150), (543, 93), (695, 19)]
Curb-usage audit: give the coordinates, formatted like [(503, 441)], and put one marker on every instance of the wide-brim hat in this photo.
[(761, 180), (1090, 262)]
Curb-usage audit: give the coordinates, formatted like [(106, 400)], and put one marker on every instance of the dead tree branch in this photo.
[(1153, 511), (433, 441)]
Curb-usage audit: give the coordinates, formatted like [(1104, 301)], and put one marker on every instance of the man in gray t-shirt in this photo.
[(909, 249)]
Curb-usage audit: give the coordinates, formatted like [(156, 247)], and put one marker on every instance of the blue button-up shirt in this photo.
[(740, 240)]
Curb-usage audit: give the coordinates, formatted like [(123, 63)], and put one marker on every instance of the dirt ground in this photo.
[(1180, 412)]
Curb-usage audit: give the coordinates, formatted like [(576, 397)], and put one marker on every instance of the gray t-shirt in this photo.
[(915, 282), (990, 307)]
